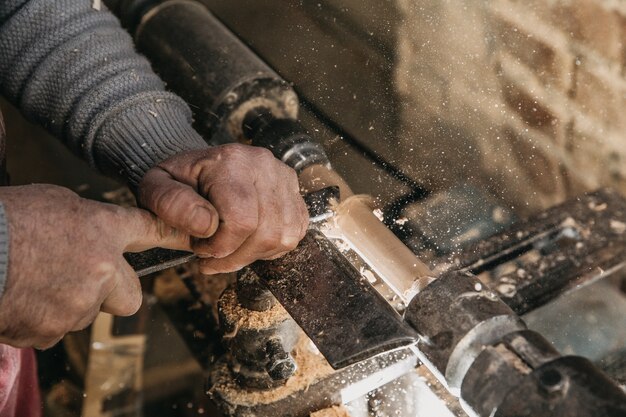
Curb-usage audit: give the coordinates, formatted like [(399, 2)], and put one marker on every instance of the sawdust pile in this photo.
[(311, 368), (249, 319)]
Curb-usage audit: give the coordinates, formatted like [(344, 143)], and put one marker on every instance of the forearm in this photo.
[(4, 248), (74, 70)]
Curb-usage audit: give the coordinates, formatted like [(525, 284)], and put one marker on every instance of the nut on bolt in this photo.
[(281, 364), (552, 381)]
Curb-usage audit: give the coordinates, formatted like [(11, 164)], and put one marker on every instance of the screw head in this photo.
[(282, 369)]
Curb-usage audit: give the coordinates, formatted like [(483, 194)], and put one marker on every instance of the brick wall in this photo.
[(526, 97)]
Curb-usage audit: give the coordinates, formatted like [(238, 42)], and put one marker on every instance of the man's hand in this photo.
[(238, 202), (66, 264)]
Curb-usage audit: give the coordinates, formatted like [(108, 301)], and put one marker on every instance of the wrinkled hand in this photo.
[(238, 202), (66, 264)]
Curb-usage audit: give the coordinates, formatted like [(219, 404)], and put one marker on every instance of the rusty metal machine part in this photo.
[(476, 341), (553, 252), (251, 292), (524, 366), (320, 289), (462, 325), (455, 317), (213, 70), (514, 356), (288, 140), (568, 386), (315, 385), (258, 333)]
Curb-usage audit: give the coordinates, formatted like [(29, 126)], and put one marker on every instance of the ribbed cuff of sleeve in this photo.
[(4, 249), (141, 132)]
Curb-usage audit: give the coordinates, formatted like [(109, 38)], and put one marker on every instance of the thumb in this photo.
[(125, 299), (143, 230), (178, 204)]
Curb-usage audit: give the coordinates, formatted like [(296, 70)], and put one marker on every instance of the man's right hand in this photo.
[(66, 263), (238, 202)]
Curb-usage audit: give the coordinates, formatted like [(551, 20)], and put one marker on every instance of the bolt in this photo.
[(281, 364), (282, 369), (255, 121), (230, 98), (251, 292), (551, 381)]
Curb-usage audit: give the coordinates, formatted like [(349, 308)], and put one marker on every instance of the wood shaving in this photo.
[(250, 319)]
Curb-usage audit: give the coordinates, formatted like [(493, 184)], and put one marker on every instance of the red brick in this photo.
[(535, 44), (598, 158), (532, 109), (593, 24), (623, 24), (601, 94), (539, 8), (539, 167)]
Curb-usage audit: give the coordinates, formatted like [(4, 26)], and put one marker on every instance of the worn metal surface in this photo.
[(446, 314), (288, 140), (335, 306), (220, 77), (564, 247), (502, 367), (569, 386), (472, 338), (251, 293), (477, 342), (259, 342), (338, 387)]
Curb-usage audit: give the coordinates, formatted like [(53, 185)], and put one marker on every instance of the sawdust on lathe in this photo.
[(250, 319), (311, 368)]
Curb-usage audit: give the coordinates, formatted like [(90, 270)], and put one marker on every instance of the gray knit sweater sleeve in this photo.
[(74, 70)]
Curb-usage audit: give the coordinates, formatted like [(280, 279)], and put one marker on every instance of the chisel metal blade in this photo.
[(158, 259), (336, 307)]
